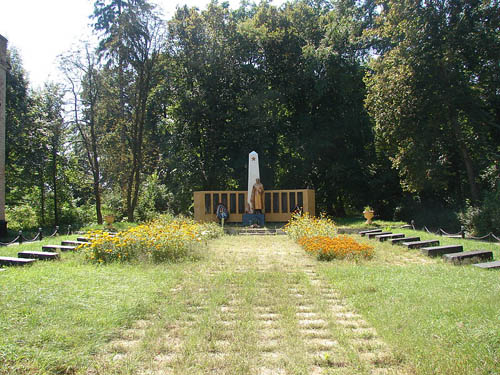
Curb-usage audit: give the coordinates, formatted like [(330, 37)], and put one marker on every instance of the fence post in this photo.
[(20, 240), (40, 234)]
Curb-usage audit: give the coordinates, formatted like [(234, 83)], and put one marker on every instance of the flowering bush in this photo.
[(318, 237), (341, 247), (306, 226), (163, 239)]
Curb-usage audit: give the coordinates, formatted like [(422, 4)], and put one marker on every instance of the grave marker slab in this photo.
[(468, 256), (72, 243), (372, 235), (399, 241), (364, 232), (9, 261), (420, 244), (54, 248), (385, 237), (435, 251), (41, 255), (488, 265)]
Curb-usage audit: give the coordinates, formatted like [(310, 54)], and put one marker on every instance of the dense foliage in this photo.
[(395, 103)]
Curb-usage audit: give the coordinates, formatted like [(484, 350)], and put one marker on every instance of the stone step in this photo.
[(420, 244), (8, 261), (72, 243), (364, 232), (435, 251), (41, 255), (469, 256), (385, 237), (488, 265), (54, 248), (372, 235), (82, 239), (399, 241)]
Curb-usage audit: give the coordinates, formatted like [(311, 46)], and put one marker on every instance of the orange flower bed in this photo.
[(341, 247)]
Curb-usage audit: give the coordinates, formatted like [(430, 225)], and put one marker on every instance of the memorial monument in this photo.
[(3, 79), (254, 213), (253, 206)]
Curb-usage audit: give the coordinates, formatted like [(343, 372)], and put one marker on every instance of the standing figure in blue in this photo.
[(222, 213)]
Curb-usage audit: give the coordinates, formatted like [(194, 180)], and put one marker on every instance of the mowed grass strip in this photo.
[(441, 318)]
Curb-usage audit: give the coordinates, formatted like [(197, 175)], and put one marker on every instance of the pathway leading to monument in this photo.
[(258, 306)]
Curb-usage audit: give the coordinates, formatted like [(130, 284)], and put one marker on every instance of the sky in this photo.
[(41, 30)]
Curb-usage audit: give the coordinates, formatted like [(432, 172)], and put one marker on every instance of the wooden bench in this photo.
[(41, 255), (468, 256), (420, 244), (9, 261), (385, 237), (82, 239), (399, 241), (435, 251)]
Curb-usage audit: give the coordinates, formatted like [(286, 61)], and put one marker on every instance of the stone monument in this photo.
[(254, 210), (3, 78), (253, 175)]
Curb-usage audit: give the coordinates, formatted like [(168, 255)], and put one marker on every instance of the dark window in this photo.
[(232, 201), (276, 202), (284, 203), (267, 202), (241, 203), (207, 204), (300, 198), (292, 201), (216, 202)]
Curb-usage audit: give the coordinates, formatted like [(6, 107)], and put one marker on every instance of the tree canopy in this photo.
[(367, 102)]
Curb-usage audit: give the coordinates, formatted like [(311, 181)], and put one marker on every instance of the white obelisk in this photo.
[(253, 174)]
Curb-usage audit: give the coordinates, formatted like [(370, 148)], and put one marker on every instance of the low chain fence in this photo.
[(20, 238), (490, 237)]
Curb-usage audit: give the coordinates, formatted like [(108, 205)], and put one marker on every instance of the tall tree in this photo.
[(47, 112), (426, 90), (82, 72), (131, 42)]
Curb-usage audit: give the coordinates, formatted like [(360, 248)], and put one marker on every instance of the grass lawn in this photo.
[(237, 310), (444, 319), (359, 222), (55, 315)]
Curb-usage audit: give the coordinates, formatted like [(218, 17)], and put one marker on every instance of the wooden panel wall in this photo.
[(282, 203)]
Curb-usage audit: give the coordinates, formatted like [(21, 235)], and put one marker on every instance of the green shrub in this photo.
[(485, 218), (154, 199), (21, 217), (430, 213)]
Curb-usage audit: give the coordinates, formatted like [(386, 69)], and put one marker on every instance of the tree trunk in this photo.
[(54, 183), (42, 198), (468, 163)]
